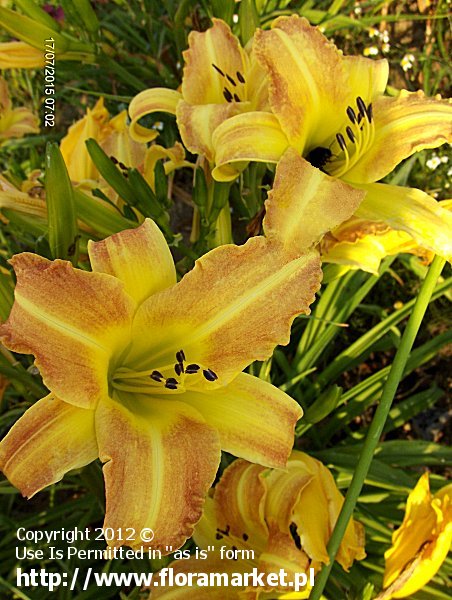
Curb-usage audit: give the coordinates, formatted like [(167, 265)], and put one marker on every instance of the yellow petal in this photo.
[(255, 420), (175, 160), (139, 257), (73, 147), (20, 55), (305, 203), (417, 528), (116, 141), (202, 83), (146, 103), (160, 462), (403, 125), (197, 124), (366, 77), (72, 321), (253, 136), (308, 82), (410, 210), (232, 308), (50, 439)]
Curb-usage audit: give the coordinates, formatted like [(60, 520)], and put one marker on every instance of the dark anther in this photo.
[(227, 95), (361, 106), (122, 166), (218, 536), (210, 375), (369, 113), (156, 376), (179, 368), (295, 536), (240, 77), (180, 356), (350, 134), (231, 80), (351, 114), (236, 98), (225, 531), (191, 369), (218, 69), (234, 548), (245, 537), (360, 118), (171, 383), (319, 157), (114, 160), (341, 141)]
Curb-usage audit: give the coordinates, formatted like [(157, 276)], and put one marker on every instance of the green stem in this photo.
[(379, 420)]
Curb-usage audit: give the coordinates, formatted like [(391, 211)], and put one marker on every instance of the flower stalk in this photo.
[(379, 420)]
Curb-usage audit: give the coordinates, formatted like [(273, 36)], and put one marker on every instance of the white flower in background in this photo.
[(370, 51), (407, 62), (433, 162)]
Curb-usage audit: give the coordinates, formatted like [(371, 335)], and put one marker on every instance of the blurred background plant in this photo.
[(338, 358)]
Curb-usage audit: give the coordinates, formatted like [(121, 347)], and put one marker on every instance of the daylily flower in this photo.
[(220, 79), (331, 108), (20, 55), (14, 122), (146, 373), (361, 244), (422, 542), (284, 518)]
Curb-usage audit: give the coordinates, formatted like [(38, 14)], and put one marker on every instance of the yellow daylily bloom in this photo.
[(331, 108), (20, 55), (220, 79), (14, 122), (275, 519), (146, 373), (422, 542), (361, 244), (28, 199)]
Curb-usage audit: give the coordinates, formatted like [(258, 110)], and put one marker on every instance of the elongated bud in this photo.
[(35, 12), (61, 213), (87, 14), (30, 30)]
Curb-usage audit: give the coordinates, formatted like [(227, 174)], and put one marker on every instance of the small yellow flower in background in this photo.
[(338, 118), (422, 542), (283, 518), (220, 79), (20, 55), (14, 122), (146, 373)]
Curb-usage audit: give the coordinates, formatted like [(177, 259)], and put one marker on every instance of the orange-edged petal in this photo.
[(253, 136), (308, 81), (410, 210), (239, 502), (255, 420), (72, 321), (202, 83), (146, 103), (305, 203), (198, 122), (234, 307), (139, 257), (403, 125), (160, 462), (50, 439)]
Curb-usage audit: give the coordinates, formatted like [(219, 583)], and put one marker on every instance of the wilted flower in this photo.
[(283, 518), (146, 373), (14, 122), (422, 542)]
